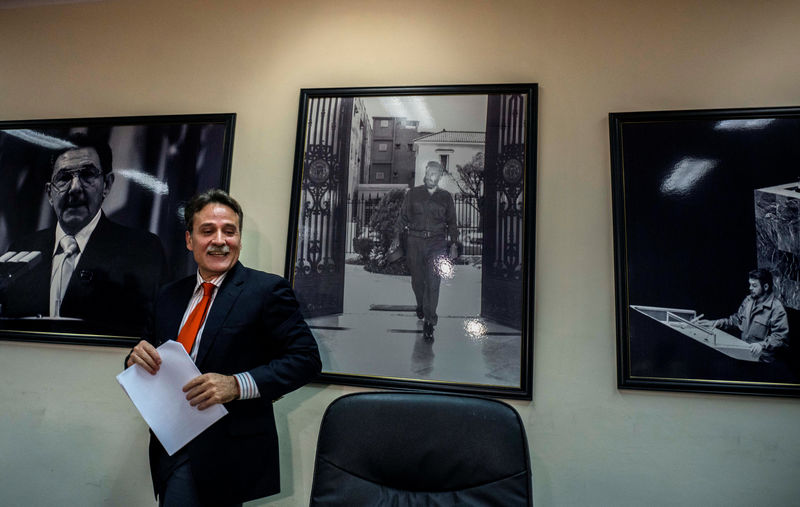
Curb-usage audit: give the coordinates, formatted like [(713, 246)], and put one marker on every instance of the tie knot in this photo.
[(207, 289), (69, 245)]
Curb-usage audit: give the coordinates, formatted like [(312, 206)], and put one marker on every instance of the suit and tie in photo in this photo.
[(91, 268), (113, 283)]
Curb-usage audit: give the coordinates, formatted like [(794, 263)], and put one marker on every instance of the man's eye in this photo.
[(89, 174)]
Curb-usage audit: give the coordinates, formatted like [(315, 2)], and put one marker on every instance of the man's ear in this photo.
[(108, 180), (48, 187), (189, 241)]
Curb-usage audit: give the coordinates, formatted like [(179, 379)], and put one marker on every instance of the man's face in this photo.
[(77, 188), (432, 177), (215, 239), (756, 289)]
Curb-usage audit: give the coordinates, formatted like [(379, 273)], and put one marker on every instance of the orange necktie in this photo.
[(195, 321)]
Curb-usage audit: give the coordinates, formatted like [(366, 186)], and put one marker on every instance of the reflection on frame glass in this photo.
[(411, 235)]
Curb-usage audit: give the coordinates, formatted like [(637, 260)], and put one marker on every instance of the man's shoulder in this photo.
[(443, 197), (775, 303), (178, 285), (243, 273), (126, 238), (110, 227), (237, 275)]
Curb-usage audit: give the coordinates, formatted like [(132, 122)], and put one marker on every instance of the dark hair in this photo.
[(435, 165), (203, 199), (763, 276), (80, 140)]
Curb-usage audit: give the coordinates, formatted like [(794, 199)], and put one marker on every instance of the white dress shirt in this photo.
[(82, 238), (247, 386)]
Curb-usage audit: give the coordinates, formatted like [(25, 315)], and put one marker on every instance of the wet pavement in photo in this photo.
[(379, 333)]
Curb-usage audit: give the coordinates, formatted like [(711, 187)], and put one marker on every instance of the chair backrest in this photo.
[(419, 449)]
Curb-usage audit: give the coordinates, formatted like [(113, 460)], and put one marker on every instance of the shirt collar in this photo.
[(765, 301), (768, 300), (216, 281), (82, 237)]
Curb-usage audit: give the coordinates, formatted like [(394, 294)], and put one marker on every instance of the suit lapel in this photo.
[(85, 276), (223, 304), (173, 308)]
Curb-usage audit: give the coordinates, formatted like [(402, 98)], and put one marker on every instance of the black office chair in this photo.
[(420, 449)]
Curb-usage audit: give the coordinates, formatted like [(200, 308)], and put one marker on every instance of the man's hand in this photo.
[(756, 349), (453, 252), (211, 388), (146, 356), (703, 322)]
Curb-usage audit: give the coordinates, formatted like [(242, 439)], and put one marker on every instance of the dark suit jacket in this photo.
[(255, 326), (114, 283)]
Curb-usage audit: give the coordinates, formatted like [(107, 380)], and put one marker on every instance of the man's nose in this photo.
[(219, 238), (74, 184)]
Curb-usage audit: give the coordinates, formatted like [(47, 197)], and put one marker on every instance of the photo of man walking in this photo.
[(428, 216)]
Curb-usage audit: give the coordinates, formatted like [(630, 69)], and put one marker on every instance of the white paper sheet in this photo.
[(161, 401)]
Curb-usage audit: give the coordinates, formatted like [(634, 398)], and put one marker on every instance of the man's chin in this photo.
[(73, 220), (219, 263)]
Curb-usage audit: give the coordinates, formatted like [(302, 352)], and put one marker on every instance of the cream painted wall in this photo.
[(68, 436)]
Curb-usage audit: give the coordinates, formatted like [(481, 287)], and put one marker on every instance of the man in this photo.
[(252, 346), (428, 216), (761, 318), (92, 268)]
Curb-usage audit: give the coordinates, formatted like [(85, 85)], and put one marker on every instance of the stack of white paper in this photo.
[(162, 402)]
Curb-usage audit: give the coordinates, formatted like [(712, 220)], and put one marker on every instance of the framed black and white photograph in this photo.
[(411, 235), (90, 219), (707, 247)]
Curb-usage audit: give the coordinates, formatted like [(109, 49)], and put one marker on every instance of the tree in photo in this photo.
[(383, 221), (470, 181)]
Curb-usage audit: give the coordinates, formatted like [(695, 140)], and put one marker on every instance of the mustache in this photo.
[(218, 249), (74, 202)]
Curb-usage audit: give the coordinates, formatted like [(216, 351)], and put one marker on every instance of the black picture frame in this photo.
[(357, 152), (158, 162), (701, 198)]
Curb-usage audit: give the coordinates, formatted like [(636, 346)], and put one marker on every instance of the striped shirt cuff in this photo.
[(247, 386)]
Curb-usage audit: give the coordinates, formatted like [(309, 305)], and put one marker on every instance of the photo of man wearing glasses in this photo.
[(91, 268)]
